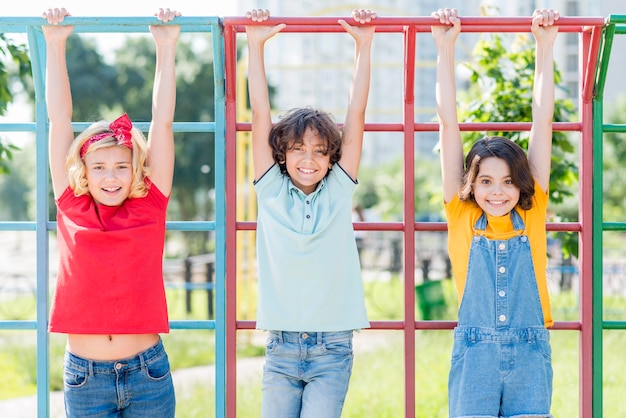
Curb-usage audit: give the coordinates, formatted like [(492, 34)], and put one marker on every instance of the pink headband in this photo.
[(119, 128)]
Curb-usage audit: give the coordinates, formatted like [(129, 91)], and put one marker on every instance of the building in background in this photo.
[(316, 70)]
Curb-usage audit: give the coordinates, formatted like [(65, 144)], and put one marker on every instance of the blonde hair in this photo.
[(75, 166)]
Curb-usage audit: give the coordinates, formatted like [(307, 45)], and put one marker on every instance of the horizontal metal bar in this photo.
[(192, 324), (613, 127), (18, 325), (143, 126), (137, 24)]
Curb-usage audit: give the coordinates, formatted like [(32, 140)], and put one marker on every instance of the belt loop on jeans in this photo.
[(320, 338), (142, 360), (90, 366), (280, 336), (472, 335)]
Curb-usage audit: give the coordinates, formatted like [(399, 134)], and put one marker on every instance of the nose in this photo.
[(109, 174)]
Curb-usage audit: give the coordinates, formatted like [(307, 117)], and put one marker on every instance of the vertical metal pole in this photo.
[(409, 221), (37, 56)]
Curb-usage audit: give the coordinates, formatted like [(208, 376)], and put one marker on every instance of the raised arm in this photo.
[(445, 91), (257, 88), (540, 142), (354, 125), (161, 135), (58, 96)]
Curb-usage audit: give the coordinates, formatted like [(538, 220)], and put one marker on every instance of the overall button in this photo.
[(502, 269), (502, 246), (502, 318), (501, 293), (118, 366), (305, 335)]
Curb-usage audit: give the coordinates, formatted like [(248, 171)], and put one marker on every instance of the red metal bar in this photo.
[(420, 23), (467, 126), (230, 45), (409, 217), (585, 249), (588, 82), (589, 27)]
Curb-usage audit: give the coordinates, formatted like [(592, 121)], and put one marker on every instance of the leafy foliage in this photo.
[(500, 86), (614, 155), (17, 55)]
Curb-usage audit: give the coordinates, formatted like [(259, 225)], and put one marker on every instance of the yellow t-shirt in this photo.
[(462, 217)]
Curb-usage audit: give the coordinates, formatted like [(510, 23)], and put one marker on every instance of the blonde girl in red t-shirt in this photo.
[(115, 361)]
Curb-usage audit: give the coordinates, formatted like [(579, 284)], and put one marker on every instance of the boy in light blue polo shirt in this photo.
[(310, 288)]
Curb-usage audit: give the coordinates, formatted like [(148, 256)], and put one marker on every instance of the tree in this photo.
[(194, 171), (500, 90), (16, 54), (614, 155)]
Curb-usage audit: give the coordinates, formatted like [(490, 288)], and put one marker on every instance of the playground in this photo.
[(401, 258)]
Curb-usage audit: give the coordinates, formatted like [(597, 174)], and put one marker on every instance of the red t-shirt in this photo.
[(110, 278)]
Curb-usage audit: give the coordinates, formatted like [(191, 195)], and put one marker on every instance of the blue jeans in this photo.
[(140, 386), (306, 374), (517, 384)]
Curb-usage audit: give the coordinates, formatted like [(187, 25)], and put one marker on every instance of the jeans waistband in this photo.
[(318, 337), (111, 366), (513, 335)]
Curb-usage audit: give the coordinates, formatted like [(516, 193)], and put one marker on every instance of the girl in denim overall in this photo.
[(495, 201)]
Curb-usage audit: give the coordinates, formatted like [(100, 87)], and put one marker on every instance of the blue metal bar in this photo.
[(110, 24), (18, 325), (42, 225), (220, 216), (37, 57)]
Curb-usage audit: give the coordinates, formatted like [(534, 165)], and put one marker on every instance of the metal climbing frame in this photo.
[(590, 30), (42, 225), (595, 46)]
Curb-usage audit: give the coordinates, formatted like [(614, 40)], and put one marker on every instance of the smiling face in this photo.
[(493, 187), (109, 174), (307, 162)]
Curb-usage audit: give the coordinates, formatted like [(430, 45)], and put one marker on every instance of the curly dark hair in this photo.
[(290, 129), (512, 154)]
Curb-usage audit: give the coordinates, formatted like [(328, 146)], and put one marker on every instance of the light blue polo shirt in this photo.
[(308, 264)]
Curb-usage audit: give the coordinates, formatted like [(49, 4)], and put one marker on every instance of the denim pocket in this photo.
[(271, 343), (159, 369), (74, 378), (459, 349), (339, 347), (543, 348)]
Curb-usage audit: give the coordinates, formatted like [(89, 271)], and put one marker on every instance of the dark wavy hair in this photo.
[(290, 129), (515, 158)]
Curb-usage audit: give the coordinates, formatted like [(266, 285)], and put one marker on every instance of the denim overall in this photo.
[(501, 359)]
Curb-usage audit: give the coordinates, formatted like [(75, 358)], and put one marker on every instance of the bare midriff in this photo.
[(109, 347)]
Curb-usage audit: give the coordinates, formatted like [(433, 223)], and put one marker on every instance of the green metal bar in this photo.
[(614, 128), (619, 325), (603, 62), (597, 239), (614, 226)]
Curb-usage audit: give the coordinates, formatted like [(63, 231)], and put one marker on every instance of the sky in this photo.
[(88, 8)]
